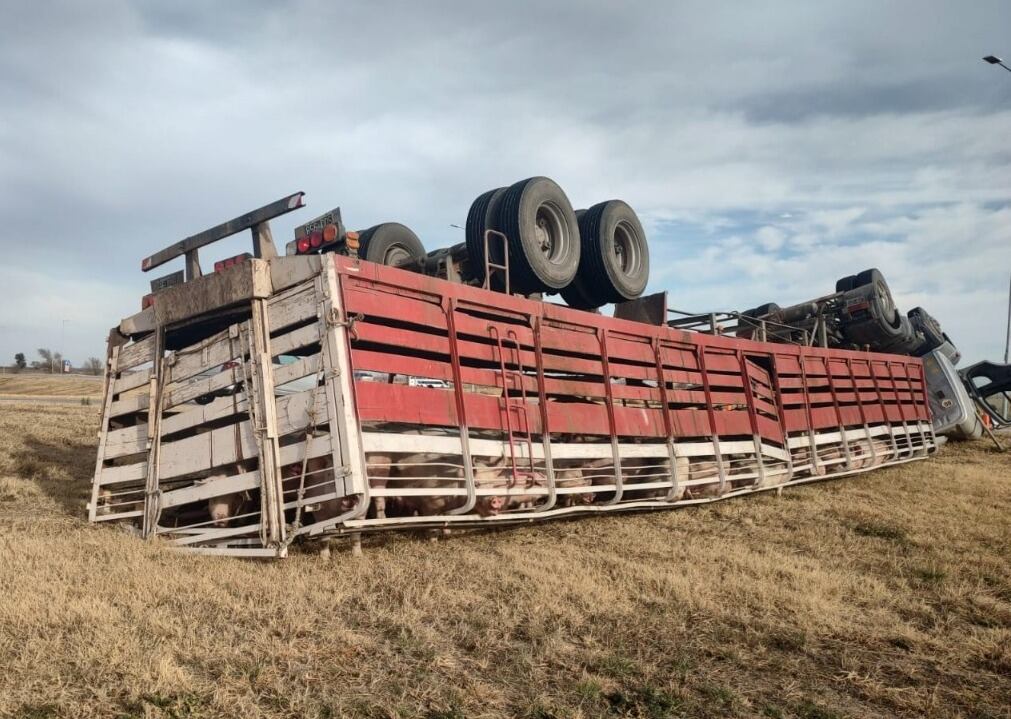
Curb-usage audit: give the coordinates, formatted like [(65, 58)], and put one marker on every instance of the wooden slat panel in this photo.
[(292, 307), (292, 415), (318, 447), (136, 353), (132, 380)]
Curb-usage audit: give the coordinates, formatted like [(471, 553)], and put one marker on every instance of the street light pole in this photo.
[(1007, 334), (994, 60)]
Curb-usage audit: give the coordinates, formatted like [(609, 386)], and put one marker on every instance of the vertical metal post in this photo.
[(609, 393), (926, 411), (711, 413), (345, 430), (884, 410), (863, 412), (1007, 343), (781, 410), (813, 447), (542, 400), (902, 409), (838, 413), (449, 307), (193, 270), (668, 421), (749, 397), (263, 241)]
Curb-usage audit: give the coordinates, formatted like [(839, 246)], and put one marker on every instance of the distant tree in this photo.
[(20, 362), (52, 361), (94, 366)]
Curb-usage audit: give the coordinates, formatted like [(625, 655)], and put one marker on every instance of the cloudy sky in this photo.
[(769, 147)]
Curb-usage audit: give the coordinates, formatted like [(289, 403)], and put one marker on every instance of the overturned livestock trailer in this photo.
[(305, 397)]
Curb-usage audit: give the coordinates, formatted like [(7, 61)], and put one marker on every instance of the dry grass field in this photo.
[(888, 594), (28, 384)]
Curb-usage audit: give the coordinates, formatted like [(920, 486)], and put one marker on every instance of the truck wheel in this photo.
[(575, 295), (874, 277), (481, 217), (615, 255), (933, 336), (906, 340), (390, 243), (868, 316), (845, 284), (543, 235), (769, 311)]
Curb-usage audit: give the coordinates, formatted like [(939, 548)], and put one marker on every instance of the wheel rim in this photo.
[(551, 232), (628, 258), (395, 255), (887, 305)]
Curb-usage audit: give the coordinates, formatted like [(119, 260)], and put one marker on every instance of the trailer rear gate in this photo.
[(643, 416)]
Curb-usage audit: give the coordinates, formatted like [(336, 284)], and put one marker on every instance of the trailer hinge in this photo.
[(333, 319)]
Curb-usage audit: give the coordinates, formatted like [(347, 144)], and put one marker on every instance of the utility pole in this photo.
[(994, 60), (1007, 334)]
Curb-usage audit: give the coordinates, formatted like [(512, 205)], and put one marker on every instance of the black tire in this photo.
[(770, 310), (904, 343), (869, 318), (390, 243), (575, 295), (873, 276), (543, 232), (868, 276), (614, 265), (481, 217), (926, 325), (845, 284)]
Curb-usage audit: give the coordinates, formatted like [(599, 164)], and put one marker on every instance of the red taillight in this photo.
[(230, 364), (303, 244), (316, 239), (329, 233), (225, 264)]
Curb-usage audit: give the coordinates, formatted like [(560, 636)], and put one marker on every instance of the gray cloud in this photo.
[(127, 125)]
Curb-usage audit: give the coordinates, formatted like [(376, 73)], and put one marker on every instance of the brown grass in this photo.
[(883, 595), (28, 384)]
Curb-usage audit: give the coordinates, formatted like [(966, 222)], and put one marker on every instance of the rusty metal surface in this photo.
[(238, 224)]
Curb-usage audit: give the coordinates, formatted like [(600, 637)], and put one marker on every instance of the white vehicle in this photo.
[(428, 382)]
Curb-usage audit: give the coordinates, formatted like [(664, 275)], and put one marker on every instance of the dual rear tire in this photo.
[(614, 266), (592, 257), (543, 235)]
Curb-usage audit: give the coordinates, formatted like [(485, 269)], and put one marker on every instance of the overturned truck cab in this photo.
[(291, 398)]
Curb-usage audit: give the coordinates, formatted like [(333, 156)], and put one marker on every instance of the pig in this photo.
[(436, 471)]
